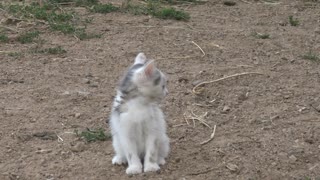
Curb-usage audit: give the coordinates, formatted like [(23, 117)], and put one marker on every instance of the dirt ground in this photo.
[(267, 126)]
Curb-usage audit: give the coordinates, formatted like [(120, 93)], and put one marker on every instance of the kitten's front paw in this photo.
[(161, 161), (134, 169), (118, 160), (151, 167)]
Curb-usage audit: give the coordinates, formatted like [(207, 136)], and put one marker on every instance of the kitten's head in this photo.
[(145, 78)]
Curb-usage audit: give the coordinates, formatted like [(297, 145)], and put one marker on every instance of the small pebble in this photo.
[(194, 83), (94, 84), (274, 117), (292, 158), (86, 81), (77, 115), (42, 151), (78, 147), (225, 109), (232, 167), (66, 93)]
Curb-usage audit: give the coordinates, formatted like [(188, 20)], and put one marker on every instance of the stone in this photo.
[(292, 158), (78, 147), (225, 109)]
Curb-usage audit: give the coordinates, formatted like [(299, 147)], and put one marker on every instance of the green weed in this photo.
[(82, 35), (311, 56), (28, 37), (104, 8), (93, 135), (14, 54), (75, 2), (4, 38), (53, 50), (135, 9), (86, 2), (155, 9), (171, 13), (261, 36), (65, 28), (293, 22), (40, 13)]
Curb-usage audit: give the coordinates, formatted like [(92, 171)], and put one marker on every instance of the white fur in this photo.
[(139, 131)]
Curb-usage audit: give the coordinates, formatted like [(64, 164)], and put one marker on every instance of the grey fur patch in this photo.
[(129, 157), (157, 80), (126, 84), (152, 157)]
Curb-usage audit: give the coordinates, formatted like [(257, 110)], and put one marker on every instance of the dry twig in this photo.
[(211, 136), (9, 28), (220, 79), (198, 118), (203, 53)]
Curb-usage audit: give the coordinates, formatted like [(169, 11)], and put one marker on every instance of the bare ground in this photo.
[(267, 126)]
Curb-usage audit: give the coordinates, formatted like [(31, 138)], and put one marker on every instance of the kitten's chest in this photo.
[(141, 112)]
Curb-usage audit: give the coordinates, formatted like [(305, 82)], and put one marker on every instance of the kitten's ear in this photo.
[(140, 59), (149, 69)]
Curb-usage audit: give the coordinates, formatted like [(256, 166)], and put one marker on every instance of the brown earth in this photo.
[(267, 126)]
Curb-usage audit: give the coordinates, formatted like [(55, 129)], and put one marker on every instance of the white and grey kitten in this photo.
[(137, 123)]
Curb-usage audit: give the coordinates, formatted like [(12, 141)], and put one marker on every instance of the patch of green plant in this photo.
[(86, 2), (104, 8), (75, 2), (14, 54), (28, 37), (40, 13), (171, 13), (261, 36), (53, 50), (155, 9), (311, 56), (293, 22), (93, 135), (135, 9), (65, 28), (83, 35), (4, 38)]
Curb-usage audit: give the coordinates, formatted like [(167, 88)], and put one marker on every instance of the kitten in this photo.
[(137, 123)]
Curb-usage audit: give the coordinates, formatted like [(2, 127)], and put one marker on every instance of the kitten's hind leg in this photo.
[(164, 148)]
